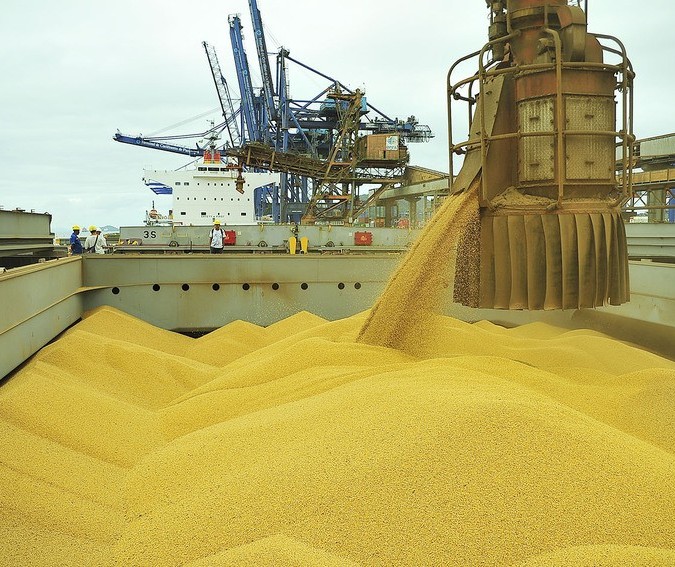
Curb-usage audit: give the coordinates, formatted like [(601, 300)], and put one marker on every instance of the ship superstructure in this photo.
[(212, 189)]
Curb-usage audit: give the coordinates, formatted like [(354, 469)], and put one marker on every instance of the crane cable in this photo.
[(182, 123)]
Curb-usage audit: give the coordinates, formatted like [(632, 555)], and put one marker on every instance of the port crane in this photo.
[(326, 129), (323, 146), (224, 97)]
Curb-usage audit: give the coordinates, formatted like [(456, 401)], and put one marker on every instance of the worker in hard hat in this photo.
[(95, 242), (100, 244), (216, 238), (90, 241), (75, 244)]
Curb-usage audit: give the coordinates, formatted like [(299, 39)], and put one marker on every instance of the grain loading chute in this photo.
[(542, 154)]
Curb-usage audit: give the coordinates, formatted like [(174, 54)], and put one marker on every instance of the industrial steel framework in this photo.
[(653, 196), (267, 129)]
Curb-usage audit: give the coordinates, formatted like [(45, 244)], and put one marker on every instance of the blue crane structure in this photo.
[(157, 145), (325, 147), (250, 107), (163, 142), (267, 94)]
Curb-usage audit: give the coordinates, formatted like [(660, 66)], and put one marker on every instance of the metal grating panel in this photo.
[(536, 159), (589, 157)]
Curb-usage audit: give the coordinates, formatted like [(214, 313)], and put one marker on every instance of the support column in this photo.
[(412, 207), (656, 198)]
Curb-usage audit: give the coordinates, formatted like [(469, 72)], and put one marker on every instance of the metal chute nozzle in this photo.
[(541, 154)]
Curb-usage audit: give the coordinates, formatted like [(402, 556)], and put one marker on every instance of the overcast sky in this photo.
[(75, 71)]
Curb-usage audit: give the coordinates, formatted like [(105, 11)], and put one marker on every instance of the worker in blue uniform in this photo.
[(75, 244)]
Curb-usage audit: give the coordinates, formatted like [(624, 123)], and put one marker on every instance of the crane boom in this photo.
[(263, 59), (244, 78), (140, 141), (229, 114)]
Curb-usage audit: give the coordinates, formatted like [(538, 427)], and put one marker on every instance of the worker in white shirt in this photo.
[(90, 241), (216, 237), (100, 244), (95, 242)]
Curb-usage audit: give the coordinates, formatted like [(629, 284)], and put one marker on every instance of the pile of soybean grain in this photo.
[(122, 444)]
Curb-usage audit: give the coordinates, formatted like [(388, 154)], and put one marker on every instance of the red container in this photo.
[(229, 237), (364, 238)]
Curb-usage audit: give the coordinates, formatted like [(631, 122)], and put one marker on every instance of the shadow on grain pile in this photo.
[(123, 444)]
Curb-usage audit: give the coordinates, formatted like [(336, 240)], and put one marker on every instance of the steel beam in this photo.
[(36, 304), (39, 302), (207, 292)]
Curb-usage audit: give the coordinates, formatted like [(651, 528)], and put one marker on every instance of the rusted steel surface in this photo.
[(543, 142)]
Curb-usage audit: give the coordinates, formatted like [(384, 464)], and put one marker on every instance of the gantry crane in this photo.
[(309, 141)]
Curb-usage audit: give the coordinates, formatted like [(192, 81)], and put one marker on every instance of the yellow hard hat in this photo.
[(216, 221), (92, 228), (76, 227)]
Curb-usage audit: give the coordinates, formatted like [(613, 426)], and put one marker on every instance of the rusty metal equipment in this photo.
[(541, 152), (352, 161)]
